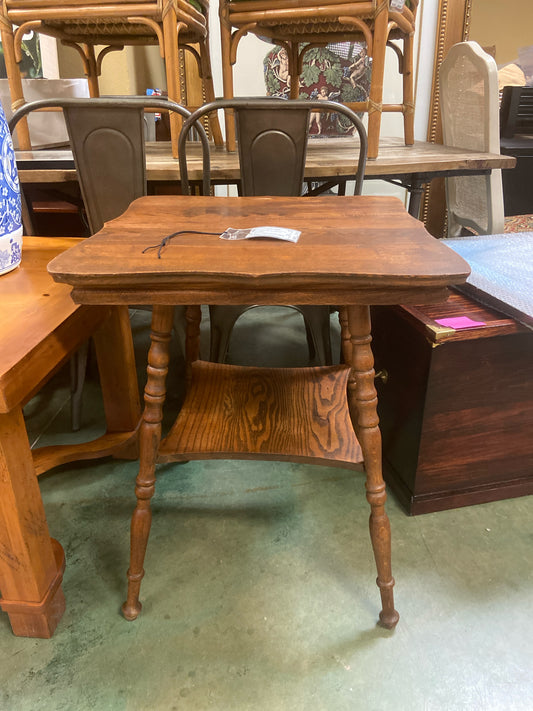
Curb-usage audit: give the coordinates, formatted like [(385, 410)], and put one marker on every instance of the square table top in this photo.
[(352, 250)]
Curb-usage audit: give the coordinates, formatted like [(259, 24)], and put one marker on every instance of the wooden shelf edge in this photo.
[(166, 457)]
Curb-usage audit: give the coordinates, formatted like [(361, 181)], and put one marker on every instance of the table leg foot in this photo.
[(39, 619), (31, 562), (389, 620), (131, 608), (381, 543), (388, 617)]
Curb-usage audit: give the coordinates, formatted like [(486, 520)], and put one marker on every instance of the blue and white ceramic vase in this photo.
[(10, 210)]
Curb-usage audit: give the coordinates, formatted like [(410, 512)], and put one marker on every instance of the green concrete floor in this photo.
[(260, 590)]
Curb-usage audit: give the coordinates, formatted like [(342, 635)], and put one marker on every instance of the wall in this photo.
[(127, 72), (507, 25)]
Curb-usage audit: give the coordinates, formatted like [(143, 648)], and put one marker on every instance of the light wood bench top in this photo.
[(41, 325)]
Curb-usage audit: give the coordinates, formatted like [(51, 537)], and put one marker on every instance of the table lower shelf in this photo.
[(287, 414)]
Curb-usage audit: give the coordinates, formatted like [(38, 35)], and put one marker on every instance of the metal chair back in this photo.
[(272, 143), (108, 146)]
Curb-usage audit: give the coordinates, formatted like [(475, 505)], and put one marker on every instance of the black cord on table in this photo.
[(167, 239)]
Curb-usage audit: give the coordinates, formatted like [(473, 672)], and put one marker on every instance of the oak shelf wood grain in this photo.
[(281, 414)]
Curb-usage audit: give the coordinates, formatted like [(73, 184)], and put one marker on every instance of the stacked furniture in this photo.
[(299, 25), (170, 24)]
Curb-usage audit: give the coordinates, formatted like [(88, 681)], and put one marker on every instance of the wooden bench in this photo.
[(41, 329)]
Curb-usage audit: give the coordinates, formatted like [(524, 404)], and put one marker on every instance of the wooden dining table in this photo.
[(353, 252), (410, 167)]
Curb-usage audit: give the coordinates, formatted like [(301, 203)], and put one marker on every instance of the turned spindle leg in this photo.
[(150, 436), (363, 405)]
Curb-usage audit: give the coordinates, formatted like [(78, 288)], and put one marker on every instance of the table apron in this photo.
[(371, 296)]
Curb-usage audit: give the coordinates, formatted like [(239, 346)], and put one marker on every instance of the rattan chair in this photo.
[(299, 25), (170, 24)]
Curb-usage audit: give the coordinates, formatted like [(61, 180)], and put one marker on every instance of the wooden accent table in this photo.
[(41, 329), (353, 251)]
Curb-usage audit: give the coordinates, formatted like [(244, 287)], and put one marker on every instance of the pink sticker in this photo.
[(459, 322)]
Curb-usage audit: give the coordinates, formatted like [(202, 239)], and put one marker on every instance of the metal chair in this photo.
[(170, 24), (299, 25), (107, 142), (470, 119), (272, 140)]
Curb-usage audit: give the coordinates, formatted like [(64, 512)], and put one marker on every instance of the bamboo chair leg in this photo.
[(15, 86), (376, 84), (293, 70), (92, 71), (207, 81), (171, 30), (227, 80), (408, 92)]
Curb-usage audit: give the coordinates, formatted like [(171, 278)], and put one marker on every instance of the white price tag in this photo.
[(265, 232)]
